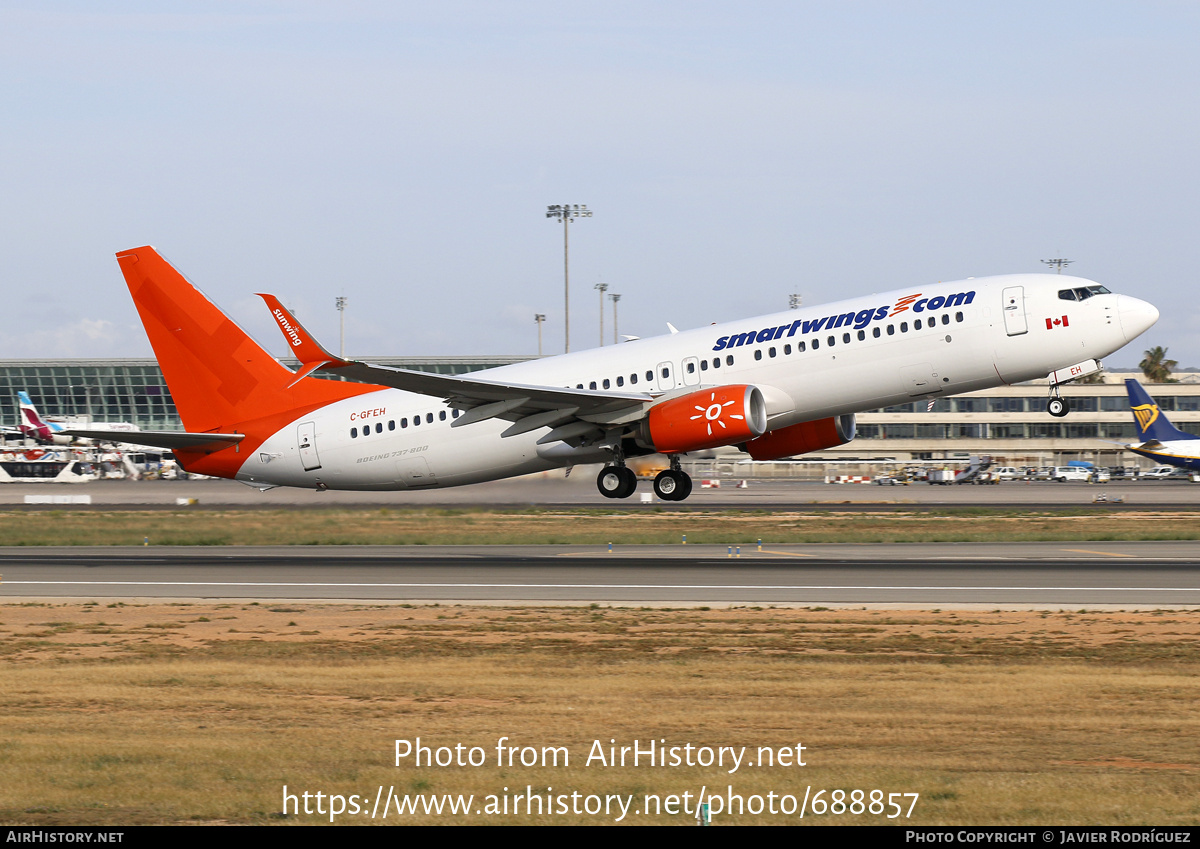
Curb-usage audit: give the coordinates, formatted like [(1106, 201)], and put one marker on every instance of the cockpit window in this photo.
[(1082, 293)]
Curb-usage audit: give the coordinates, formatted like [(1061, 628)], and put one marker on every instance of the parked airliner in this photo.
[(33, 426), (1159, 439), (776, 386)]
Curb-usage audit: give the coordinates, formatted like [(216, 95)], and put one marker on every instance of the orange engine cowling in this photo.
[(802, 438), (725, 415)]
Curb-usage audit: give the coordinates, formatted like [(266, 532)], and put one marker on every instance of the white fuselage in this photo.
[(810, 363)]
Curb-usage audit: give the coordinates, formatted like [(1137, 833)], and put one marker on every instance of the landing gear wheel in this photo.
[(1058, 407), (616, 482), (672, 485)]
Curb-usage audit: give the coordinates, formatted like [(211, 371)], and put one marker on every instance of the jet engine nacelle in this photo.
[(725, 415), (802, 438)]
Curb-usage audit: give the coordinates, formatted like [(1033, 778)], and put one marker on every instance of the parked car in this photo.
[(1070, 473), (1173, 473), (1008, 473)]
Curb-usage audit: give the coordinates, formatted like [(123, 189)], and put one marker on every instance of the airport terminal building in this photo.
[(1008, 422)]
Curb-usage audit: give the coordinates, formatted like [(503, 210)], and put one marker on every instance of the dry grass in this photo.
[(591, 526), (202, 712)]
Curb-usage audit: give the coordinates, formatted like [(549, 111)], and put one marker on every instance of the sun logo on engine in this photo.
[(713, 413)]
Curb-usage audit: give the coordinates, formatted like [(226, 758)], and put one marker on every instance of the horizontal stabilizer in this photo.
[(169, 439)]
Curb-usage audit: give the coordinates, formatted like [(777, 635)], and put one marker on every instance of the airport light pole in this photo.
[(615, 298), (1058, 263), (565, 214), (602, 288), (539, 318), (340, 302)]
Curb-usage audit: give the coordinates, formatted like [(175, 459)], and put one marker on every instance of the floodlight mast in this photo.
[(601, 288), (615, 298), (539, 318), (1058, 263), (565, 213), (340, 302)]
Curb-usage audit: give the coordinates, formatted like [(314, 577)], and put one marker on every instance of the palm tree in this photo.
[(1156, 366)]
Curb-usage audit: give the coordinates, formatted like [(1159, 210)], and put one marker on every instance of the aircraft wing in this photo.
[(169, 439), (529, 407)]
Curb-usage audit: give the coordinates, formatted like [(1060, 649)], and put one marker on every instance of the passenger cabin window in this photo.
[(633, 378), (379, 427), (592, 385), (904, 327), (787, 349), (442, 416), (704, 365), (891, 330), (875, 332), (429, 418), (729, 360), (606, 383), (846, 338), (831, 341), (649, 374), (691, 368), (354, 433), (771, 352), (392, 424), (862, 334), (958, 316), (416, 420), (917, 324), (716, 362), (404, 422), (816, 343), (758, 353), (620, 380)]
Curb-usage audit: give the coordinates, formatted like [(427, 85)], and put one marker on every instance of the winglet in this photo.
[(307, 349)]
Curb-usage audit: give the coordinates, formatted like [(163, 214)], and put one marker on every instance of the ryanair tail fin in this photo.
[(1151, 424), (219, 377)]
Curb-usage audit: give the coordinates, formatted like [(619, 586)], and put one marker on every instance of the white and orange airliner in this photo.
[(775, 386)]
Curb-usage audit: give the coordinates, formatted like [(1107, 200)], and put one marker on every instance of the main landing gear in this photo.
[(673, 485), (619, 481), (616, 482)]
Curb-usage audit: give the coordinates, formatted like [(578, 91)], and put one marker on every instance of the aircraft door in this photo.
[(665, 373), (691, 371), (306, 436), (1014, 311)]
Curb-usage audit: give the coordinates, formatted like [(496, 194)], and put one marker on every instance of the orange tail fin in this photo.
[(219, 377)]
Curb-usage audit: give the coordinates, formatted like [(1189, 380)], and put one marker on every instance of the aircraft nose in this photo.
[(1137, 316)]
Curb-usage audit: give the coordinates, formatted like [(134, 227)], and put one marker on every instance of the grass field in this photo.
[(167, 713), (580, 526)]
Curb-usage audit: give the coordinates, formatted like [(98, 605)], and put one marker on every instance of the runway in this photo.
[(579, 490), (1050, 575)]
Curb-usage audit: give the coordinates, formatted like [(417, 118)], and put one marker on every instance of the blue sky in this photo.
[(403, 155)]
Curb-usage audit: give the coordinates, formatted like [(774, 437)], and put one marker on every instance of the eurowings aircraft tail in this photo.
[(1151, 424), (222, 381), (32, 425)]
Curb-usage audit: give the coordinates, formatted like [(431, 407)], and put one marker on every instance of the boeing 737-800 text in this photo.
[(776, 386)]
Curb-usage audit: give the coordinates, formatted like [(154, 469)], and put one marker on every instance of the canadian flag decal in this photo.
[(1052, 323)]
